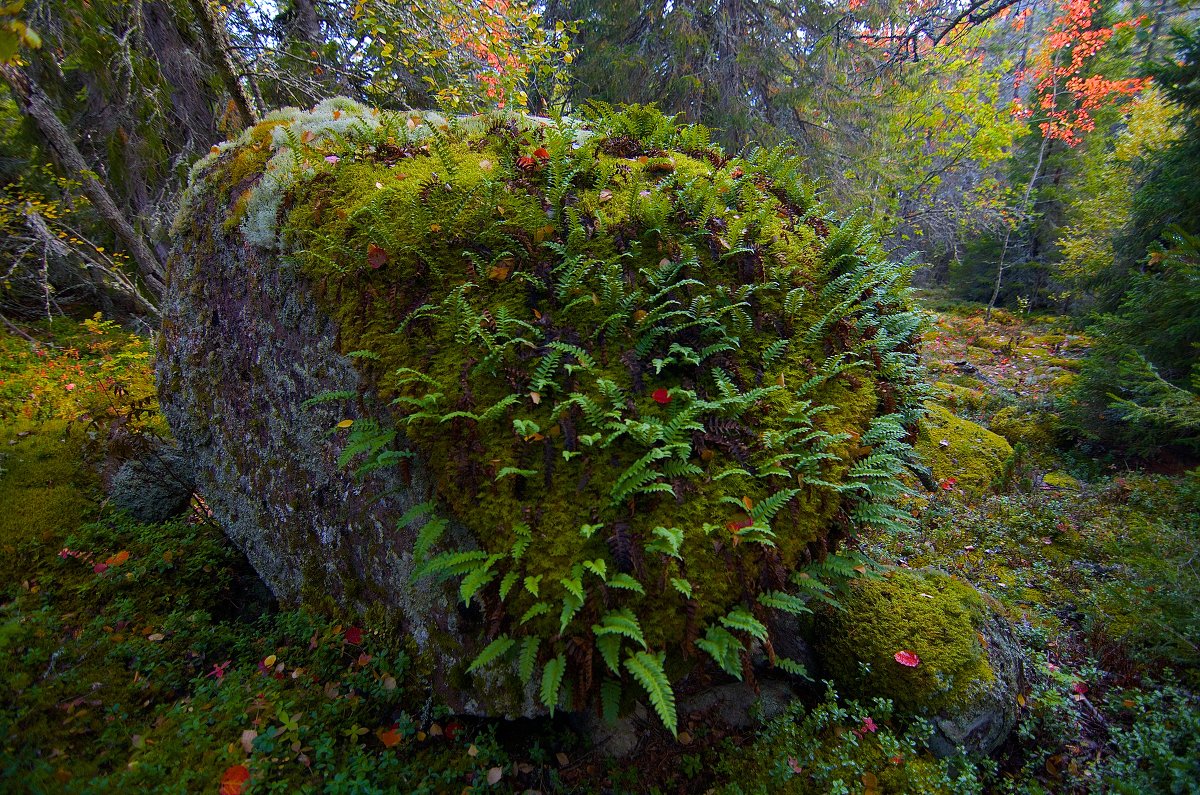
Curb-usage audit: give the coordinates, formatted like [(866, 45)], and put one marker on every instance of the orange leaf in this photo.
[(118, 559), (233, 780), (376, 256), (388, 737)]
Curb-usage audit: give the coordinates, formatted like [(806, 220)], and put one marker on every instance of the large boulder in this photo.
[(570, 403)]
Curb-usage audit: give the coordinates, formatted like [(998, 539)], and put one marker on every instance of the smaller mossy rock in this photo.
[(956, 396), (1032, 429), (968, 668), (963, 456), (1061, 481), (155, 487)]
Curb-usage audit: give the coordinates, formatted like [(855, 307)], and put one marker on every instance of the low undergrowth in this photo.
[(148, 657)]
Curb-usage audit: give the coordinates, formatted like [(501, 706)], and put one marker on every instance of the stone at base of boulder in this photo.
[(735, 705), (155, 487)]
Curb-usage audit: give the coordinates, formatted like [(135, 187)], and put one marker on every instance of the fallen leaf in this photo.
[(536, 398), (389, 683), (907, 658), (563, 759), (118, 559), (345, 423), (233, 780), (155, 637), (472, 751), (376, 256), (248, 740), (353, 635), (494, 775), (389, 737), (661, 396), (541, 154), (269, 660)]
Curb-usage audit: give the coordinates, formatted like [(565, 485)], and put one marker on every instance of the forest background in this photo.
[(1035, 154)]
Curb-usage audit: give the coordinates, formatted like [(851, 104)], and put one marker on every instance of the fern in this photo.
[(497, 648), (626, 583), (609, 647), (792, 667), (610, 699), (480, 575), (647, 669), (724, 648), (328, 397), (667, 541), (552, 677), (741, 620), (538, 609), (528, 657), (683, 586), (620, 622), (784, 602)]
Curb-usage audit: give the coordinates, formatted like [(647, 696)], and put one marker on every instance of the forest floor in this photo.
[(149, 658)]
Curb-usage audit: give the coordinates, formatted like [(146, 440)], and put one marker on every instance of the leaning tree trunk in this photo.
[(36, 106)]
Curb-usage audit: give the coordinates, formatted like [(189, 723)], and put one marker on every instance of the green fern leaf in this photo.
[(532, 584), (571, 606), (620, 622), (610, 699), (647, 669), (528, 657), (477, 578), (507, 584), (538, 609), (724, 648), (626, 583), (610, 651), (597, 567), (552, 677), (785, 602), (683, 586), (792, 667), (740, 619), (496, 648)]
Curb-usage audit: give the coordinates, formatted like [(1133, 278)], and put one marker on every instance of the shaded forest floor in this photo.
[(149, 658)]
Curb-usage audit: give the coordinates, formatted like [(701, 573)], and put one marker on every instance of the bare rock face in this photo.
[(573, 406)]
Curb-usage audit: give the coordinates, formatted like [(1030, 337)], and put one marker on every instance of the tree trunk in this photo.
[(35, 105), (217, 39)]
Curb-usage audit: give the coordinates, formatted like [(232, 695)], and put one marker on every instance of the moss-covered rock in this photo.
[(618, 384), (933, 645), (964, 457), (1034, 429)]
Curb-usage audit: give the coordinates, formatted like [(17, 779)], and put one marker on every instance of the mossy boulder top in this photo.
[(571, 402)]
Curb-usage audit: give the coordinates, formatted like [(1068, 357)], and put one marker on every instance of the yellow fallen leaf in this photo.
[(345, 423), (270, 660)]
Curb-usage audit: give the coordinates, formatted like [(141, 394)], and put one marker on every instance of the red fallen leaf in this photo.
[(661, 396), (389, 737), (526, 162), (233, 781), (948, 484), (1079, 688), (907, 658), (376, 257), (452, 730), (541, 154), (740, 523), (353, 635), (100, 568)]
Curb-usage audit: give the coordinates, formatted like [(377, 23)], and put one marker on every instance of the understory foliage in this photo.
[(654, 381)]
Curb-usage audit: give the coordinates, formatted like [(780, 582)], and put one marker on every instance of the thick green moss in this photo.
[(616, 327), (962, 455), (934, 616)]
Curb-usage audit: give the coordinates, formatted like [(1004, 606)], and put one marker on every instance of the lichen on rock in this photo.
[(604, 388)]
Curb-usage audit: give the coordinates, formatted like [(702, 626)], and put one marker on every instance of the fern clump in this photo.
[(652, 383)]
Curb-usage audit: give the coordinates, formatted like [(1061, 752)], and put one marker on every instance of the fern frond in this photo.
[(647, 669), (552, 677), (497, 648)]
